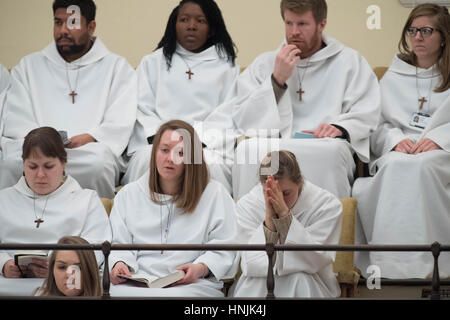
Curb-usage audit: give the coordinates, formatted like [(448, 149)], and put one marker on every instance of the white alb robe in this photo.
[(340, 88), (317, 219), (4, 79), (69, 211), (4, 84), (136, 219), (408, 199), (165, 95), (105, 107)]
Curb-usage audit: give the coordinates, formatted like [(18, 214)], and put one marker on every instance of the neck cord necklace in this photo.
[(422, 98), (40, 220), (189, 71), (73, 92), (301, 78), (169, 217)]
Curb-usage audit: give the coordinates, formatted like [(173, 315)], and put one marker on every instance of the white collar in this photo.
[(69, 185), (97, 52), (205, 55), (402, 67)]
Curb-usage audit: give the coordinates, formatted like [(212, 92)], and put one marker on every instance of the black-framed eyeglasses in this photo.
[(424, 32)]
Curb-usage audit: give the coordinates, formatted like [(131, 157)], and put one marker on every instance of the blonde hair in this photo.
[(288, 167), (90, 277), (196, 175), (318, 7), (442, 25)]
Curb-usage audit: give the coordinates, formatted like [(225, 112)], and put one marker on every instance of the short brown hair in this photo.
[(90, 276), (196, 175), (288, 167), (318, 7), (47, 140), (441, 18)]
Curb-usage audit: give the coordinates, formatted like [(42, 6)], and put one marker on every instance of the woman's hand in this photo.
[(404, 146), (193, 272), (10, 270), (424, 145), (119, 268), (275, 197)]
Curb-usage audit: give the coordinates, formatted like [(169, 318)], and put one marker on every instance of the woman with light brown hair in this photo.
[(285, 208), (72, 272), (407, 199), (174, 203)]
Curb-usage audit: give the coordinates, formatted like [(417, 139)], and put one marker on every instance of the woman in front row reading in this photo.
[(285, 209), (174, 203)]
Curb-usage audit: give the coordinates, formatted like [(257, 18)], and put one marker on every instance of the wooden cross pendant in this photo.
[(73, 94), (422, 101), (189, 73), (300, 94), (38, 222)]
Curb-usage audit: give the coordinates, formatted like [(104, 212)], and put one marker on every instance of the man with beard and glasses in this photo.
[(79, 87), (312, 86)]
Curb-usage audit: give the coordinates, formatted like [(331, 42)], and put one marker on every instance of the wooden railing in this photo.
[(106, 247)]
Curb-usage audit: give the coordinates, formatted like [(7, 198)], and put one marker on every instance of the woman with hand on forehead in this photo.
[(286, 209), (175, 202), (190, 76), (46, 204), (407, 200)]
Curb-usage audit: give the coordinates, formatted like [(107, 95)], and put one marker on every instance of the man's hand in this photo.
[(325, 131), (80, 140), (285, 63)]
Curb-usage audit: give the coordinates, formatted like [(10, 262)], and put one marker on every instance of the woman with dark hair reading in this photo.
[(190, 77), (46, 204), (175, 202)]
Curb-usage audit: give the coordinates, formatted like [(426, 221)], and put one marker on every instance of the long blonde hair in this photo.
[(90, 277), (196, 175), (442, 21)]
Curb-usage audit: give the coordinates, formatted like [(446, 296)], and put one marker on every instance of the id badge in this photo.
[(419, 120)]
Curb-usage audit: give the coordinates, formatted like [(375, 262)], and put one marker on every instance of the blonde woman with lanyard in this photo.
[(407, 200)]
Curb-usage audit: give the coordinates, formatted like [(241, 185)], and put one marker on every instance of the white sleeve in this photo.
[(256, 97), (97, 228), (120, 234), (324, 228), (120, 115), (221, 230), (251, 213), (147, 116)]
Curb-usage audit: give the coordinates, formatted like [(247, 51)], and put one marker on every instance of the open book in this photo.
[(154, 282), (25, 257)]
